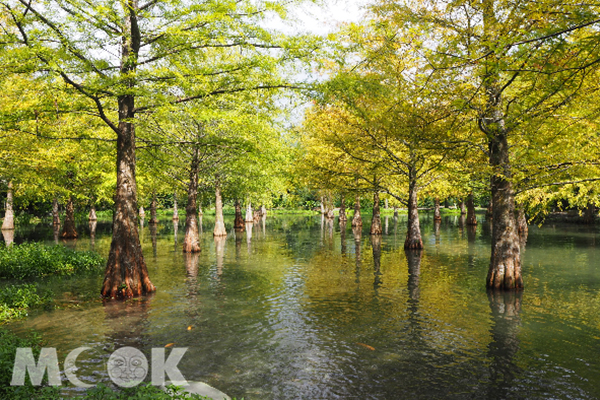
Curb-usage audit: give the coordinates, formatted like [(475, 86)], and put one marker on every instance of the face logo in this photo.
[(127, 367)]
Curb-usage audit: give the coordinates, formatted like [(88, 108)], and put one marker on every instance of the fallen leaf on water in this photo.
[(367, 346), (171, 345)]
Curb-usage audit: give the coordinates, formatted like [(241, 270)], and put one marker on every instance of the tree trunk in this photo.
[(126, 273), (249, 214), (413, 233), (395, 213), (92, 216), (471, 217), (142, 213), (505, 262), (9, 216), (357, 219), (376, 246), (436, 210), (463, 209), (191, 240), (238, 224), (386, 204), (153, 219), (9, 236), (489, 213), (93, 224), (69, 231), (343, 218), (263, 211), (522, 228), (589, 217), (175, 210), (55, 214), (219, 223), (376, 221)]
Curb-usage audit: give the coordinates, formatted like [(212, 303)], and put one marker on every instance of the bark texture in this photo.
[(219, 223), (92, 216), (436, 210), (413, 233), (357, 219), (249, 214), (471, 217), (463, 208), (153, 219), (142, 213), (126, 274), (69, 231), (9, 216), (238, 223), (191, 240), (376, 221), (343, 218), (175, 209), (522, 228), (55, 214), (505, 262)]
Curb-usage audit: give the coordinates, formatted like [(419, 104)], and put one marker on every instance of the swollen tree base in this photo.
[(69, 231)]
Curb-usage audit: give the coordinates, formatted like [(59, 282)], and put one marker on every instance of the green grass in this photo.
[(16, 300), (32, 260)]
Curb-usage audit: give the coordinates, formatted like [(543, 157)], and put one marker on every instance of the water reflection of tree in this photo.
[(128, 320), (343, 240), (357, 237), (436, 231), (249, 236), (505, 308), (376, 245), (153, 234), (413, 260)]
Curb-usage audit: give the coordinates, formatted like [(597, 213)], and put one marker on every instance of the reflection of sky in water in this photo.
[(290, 312)]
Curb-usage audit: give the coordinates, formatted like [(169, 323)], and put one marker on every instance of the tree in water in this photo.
[(69, 231), (238, 223), (342, 216), (376, 221), (9, 216), (219, 223), (55, 213), (471, 217), (191, 241), (357, 219), (436, 210)]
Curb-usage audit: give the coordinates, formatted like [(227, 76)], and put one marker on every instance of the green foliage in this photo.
[(141, 392), (15, 300), (29, 260)]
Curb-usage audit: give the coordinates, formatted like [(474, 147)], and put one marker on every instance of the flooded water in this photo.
[(296, 309)]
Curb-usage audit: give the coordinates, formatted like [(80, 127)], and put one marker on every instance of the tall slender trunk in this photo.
[(238, 223), (395, 213), (69, 231), (436, 210), (357, 219), (219, 223), (249, 215), (142, 213), (343, 218), (263, 211), (126, 273), (153, 219), (385, 204), (463, 209), (93, 224), (9, 216), (471, 217), (55, 214), (505, 261), (413, 232), (191, 240), (175, 209), (92, 216), (489, 212), (376, 221)]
